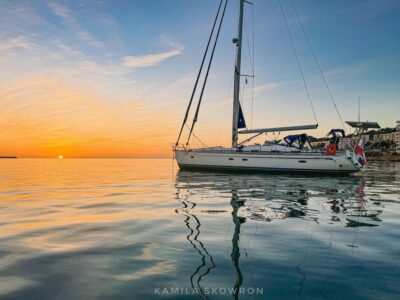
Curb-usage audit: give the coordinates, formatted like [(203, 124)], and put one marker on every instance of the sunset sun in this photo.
[(60, 157)]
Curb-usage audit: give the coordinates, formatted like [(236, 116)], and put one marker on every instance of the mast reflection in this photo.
[(235, 255)]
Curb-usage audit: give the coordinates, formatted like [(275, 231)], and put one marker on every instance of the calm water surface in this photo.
[(142, 229)]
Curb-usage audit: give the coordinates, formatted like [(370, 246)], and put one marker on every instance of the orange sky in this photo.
[(45, 117), (42, 117)]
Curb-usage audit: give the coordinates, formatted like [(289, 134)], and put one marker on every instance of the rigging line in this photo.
[(251, 63), (297, 59), (317, 62), (251, 56), (196, 138), (208, 71), (241, 98), (198, 75), (252, 25), (227, 98), (252, 88), (248, 46), (252, 104), (199, 140)]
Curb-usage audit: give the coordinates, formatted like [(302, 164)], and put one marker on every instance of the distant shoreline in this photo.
[(8, 157), (389, 157)]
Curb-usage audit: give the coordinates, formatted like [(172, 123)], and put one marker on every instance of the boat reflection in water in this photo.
[(193, 224), (235, 255), (311, 203)]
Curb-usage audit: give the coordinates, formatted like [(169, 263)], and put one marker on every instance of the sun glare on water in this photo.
[(60, 157)]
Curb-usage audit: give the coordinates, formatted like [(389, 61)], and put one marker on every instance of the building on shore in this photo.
[(350, 141), (387, 137), (393, 137), (398, 137)]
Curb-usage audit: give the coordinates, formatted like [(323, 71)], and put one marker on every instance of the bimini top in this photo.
[(296, 140), (290, 139), (363, 125)]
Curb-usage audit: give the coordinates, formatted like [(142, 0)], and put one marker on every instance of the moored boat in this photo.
[(293, 154)]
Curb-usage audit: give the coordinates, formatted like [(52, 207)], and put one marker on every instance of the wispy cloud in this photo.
[(19, 15), (69, 19), (266, 87), (148, 60), (61, 11), (20, 41), (88, 38)]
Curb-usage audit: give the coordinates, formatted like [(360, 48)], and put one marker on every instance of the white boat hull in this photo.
[(267, 162)]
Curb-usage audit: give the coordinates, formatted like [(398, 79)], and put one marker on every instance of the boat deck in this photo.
[(273, 152)]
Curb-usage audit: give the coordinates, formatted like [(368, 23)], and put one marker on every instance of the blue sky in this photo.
[(81, 75)]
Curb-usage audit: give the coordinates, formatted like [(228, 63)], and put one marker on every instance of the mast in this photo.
[(236, 89)]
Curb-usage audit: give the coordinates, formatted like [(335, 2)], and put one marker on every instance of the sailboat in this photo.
[(293, 155)]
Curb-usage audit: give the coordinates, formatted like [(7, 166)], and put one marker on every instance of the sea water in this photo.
[(142, 229)]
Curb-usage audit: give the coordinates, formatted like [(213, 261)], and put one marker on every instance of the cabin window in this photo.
[(244, 159), (302, 161), (230, 158), (192, 157)]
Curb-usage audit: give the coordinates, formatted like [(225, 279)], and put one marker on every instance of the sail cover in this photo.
[(279, 129), (241, 122)]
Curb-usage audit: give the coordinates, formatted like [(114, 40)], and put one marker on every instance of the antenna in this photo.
[(358, 109)]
